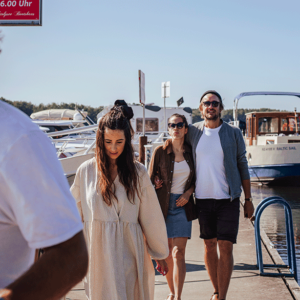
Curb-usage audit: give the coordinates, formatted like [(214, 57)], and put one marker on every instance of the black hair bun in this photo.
[(128, 112)]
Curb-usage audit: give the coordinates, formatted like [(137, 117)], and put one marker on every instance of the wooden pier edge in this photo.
[(280, 287), (290, 282)]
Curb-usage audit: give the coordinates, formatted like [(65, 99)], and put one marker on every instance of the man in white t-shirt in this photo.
[(36, 211), (221, 169)]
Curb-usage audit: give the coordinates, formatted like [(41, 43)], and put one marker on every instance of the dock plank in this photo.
[(246, 283)]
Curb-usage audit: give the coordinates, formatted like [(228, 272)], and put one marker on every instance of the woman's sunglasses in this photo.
[(178, 125), (214, 103)]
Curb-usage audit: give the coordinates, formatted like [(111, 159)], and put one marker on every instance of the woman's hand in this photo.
[(183, 199), (162, 267), (158, 182)]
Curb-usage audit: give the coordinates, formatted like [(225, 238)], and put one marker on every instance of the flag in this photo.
[(180, 101)]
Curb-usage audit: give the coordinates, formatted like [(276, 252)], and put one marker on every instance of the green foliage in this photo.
[(196, 116), (227, 114), (28, 108)]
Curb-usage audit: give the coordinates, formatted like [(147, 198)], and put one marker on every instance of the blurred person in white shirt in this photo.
[(37, 211)]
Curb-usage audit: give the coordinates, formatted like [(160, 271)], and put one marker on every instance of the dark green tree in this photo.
[(28, 108)]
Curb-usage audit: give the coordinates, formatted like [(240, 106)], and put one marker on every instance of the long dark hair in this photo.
[(118, 118)]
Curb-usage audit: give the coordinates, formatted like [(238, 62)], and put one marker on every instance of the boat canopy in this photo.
[(238, 97), (188, 110), (69, 123), (56, 114), (153, 107)]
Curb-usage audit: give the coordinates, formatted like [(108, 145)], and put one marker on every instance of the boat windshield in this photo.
[(268, 125), (151, 124), (289, 124)]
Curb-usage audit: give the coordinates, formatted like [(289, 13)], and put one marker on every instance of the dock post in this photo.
[(143, 142), (148, 154)]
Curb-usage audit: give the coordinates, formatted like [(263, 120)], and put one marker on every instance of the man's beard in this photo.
[(214, 118)]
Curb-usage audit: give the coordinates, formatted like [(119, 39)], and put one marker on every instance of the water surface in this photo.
[(273, 219)]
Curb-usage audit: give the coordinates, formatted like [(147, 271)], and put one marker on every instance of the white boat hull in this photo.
[(274, 163), (71, 164)]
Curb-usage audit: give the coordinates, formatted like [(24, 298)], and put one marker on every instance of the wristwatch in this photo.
[(248, 199)]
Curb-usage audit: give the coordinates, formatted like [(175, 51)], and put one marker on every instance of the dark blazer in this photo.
[(162, 164)]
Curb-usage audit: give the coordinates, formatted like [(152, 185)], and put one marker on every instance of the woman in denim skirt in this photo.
[(172, 172)]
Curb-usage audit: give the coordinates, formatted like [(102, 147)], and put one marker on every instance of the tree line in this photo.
[(28, 108), (227, 114)]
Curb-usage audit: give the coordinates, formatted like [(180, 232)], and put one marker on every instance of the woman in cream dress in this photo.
[(123, 222)]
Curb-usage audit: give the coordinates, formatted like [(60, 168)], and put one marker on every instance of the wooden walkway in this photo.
[(246, 283)]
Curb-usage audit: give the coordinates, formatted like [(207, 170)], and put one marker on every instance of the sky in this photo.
[(89, 52)]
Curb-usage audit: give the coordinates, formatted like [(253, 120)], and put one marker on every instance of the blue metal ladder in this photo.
[(289, 238)]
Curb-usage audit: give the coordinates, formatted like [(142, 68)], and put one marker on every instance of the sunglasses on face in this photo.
[(178, 125), (213, 103)]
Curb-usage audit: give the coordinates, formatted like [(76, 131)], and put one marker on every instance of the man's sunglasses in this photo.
[(178, 125), (214, 103)]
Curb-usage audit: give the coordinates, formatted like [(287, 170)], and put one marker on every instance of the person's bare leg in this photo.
[(169, 275), (179, 272), (211, 261), (225, 267)]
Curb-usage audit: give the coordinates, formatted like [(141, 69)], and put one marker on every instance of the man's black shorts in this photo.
[(219, 218)]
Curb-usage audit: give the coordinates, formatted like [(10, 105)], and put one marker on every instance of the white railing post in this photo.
[(148, 154)]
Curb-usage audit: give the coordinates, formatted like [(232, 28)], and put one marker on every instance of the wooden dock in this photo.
[(246, 283)]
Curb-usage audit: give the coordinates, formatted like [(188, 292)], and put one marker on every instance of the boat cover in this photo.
[(55, 114)]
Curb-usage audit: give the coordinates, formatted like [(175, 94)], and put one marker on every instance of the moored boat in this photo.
[(78, 144), (272, 143)]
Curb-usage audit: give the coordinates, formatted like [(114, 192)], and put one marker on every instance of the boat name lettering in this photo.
[(279, 148)]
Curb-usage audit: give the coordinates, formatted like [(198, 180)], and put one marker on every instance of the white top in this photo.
[(180, 175), (120, 237), (210, 171), (36, 207)]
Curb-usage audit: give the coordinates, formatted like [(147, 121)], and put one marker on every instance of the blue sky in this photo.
[(89, 52)]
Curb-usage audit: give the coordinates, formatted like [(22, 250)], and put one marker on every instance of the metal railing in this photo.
[(75, 130), (159, 136), (153, 136), (291, 254), (67, 143), (148, 154)]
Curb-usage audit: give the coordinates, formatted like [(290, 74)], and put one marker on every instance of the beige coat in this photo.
[(120, 237)]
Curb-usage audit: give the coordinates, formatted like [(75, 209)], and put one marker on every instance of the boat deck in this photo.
[(246, 283)]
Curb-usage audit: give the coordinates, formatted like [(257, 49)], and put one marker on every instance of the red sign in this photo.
[(20, 12)]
